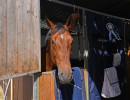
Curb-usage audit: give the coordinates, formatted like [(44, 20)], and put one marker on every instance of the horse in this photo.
[(58, 48)]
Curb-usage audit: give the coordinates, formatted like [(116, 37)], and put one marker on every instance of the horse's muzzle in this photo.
[(65, 77)]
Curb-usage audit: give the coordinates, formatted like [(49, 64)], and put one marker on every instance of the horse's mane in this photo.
[(56, 29)]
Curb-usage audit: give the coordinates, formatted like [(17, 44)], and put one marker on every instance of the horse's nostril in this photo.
[(65, 77), (71, 76), (61, 74)]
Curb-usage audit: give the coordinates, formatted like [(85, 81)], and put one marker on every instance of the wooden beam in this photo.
[(36, 86), (85, 43)]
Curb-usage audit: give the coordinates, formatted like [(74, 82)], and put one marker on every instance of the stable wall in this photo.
[(19, 37)]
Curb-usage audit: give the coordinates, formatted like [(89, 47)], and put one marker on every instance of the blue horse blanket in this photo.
[(73, 91)]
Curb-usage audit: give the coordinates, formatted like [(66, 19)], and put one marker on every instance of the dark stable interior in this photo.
[(59, 14), (127, 43), (101, 50)]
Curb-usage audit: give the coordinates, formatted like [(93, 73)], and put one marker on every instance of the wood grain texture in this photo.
[(46, 86), (19, 37), (21, 89), (3, 33), (18, 88), (11, 38)]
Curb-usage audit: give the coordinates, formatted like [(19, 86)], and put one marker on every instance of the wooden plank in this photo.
[(27, 88), (11, 90), (52, 88), (18, 88), (36, 86), (35, 36), (23, 88), (86, 83), (46, 87), (3, 32), (11, 39), (30, 37), (27, 35), (29, 45), (20, 37)]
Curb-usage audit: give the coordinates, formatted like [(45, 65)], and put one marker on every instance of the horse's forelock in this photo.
[(56, 29)]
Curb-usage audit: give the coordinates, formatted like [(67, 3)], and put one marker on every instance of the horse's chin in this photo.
[(63, 79)]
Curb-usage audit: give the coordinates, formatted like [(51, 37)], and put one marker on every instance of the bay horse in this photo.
[(58, 48)]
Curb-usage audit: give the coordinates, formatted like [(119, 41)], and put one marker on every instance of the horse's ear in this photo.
[(71, 21), (50, 24)]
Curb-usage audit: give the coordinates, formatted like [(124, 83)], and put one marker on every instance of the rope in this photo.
[(6, 89), (76, 86)]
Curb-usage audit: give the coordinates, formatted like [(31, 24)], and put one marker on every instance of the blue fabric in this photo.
[(70, 92), (93, 92)]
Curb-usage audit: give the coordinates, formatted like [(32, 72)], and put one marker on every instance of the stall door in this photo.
[(19, 37)]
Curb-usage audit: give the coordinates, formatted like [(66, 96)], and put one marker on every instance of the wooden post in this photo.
[(36, 86), (12, 89), (85, 53), (86, 83), (46, 86)]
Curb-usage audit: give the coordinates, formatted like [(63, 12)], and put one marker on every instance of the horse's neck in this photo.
[(49, 63)]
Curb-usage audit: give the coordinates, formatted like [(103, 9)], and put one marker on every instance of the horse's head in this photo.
[(59, 47)]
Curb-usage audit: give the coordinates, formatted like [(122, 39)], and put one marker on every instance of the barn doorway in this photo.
[(59, 13)]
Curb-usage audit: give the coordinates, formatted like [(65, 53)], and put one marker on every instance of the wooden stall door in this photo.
[(19, 37)]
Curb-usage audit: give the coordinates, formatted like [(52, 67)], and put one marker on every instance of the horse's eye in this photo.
[(52, 41)]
